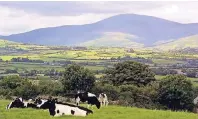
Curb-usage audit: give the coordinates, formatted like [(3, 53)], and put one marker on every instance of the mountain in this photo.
[(135, 29), (178, 44)]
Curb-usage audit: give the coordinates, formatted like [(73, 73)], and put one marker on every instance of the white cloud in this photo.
[(16, 21), (183, 12)]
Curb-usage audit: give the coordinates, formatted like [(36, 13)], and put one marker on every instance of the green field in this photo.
[(110, 112)]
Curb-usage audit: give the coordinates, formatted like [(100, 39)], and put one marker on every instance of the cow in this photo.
[(103, 99), (90, 98), (58, 109), (20, 103), (195, 101), (41, 103)]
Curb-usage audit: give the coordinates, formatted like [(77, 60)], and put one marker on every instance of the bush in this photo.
[(50, 87), (16, 86), (11, 82), (131, 95), (176, 93), (111, 91), (128, 73), (27, 90), (77, 78)]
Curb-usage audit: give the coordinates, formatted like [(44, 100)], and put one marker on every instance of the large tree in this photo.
[(129, 72), (77, 78), (15, 85), (176, 92)]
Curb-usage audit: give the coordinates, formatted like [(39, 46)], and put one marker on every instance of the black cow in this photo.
[(19, 103), (87, 97)]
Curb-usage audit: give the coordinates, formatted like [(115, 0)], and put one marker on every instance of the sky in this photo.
[(18, 17)]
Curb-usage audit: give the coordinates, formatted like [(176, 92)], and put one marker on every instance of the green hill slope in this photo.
[(114, 39), (10, 45), (187, 42)]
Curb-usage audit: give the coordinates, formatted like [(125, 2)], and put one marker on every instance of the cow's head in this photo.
[(98, 104), (51, 106)]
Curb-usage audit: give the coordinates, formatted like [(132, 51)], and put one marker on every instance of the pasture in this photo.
[(110, 112)]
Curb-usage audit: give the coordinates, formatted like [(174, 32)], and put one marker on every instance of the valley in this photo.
[(38, 61)]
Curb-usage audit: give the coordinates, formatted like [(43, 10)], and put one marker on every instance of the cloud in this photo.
[(17, 17), (16, 21), (183, 12)]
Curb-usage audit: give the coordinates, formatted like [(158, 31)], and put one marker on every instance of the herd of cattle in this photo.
[(57, 108)]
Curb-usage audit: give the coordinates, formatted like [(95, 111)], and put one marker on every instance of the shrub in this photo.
[(77, 78), (128, 73), (131, 95), (111, 91), (50, 87), (176, 93)]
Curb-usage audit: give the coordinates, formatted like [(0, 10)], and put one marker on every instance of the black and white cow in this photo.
[(59, 109), (87, 97), (41, 103), (103, 99), (20, 103)]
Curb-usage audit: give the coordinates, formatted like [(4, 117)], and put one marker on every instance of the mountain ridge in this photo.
[(148, 29)]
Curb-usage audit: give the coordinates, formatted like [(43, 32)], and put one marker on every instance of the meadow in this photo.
[(110, 112)]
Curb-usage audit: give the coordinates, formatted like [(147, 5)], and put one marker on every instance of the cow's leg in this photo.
[(107, 102), (77, 101), (88, 106)]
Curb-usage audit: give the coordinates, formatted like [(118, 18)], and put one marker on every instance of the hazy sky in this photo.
[(17, 17)]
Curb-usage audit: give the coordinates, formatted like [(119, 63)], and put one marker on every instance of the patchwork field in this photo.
[(96, 59), (110, 112)]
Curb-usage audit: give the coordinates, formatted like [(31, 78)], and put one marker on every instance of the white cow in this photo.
[(103, 99), (195, 101)]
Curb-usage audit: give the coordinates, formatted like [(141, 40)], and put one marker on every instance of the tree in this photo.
[(77, 78), (129, 72), (27, 90), (14, 85), (50, 87), (176, 92), (11, 82)]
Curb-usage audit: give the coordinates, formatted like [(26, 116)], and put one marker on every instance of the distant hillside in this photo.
[(114, 39), (148, 30), (5, 43), (182, 43), (10, 45)]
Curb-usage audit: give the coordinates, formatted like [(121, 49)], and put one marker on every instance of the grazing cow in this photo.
[(103, 99), (87, 97), (19, 103), (59, 109)]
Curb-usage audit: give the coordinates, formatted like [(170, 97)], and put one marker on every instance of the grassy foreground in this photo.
[(110, 112)]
